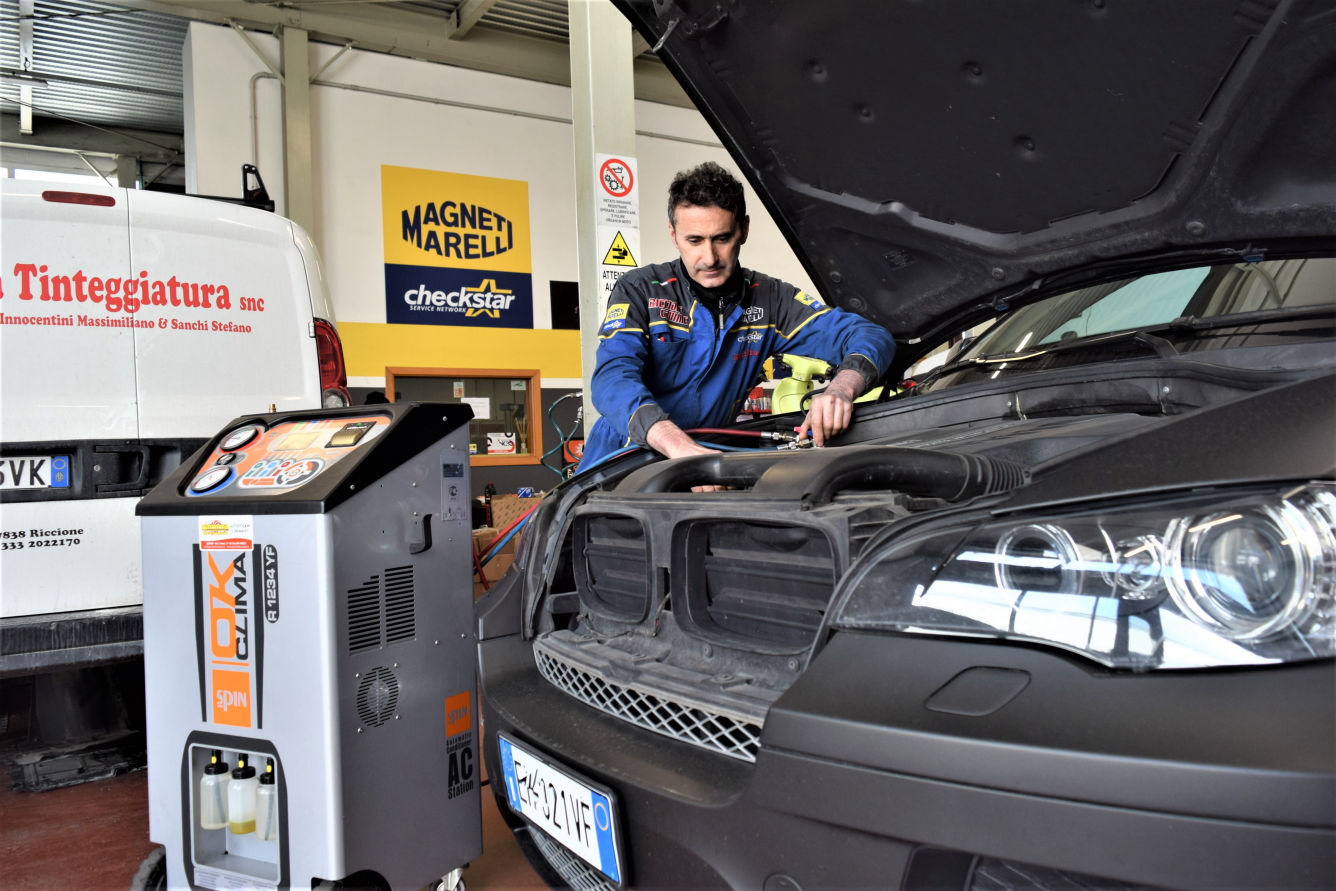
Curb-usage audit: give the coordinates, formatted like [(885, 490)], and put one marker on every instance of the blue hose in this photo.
[(496, 546)]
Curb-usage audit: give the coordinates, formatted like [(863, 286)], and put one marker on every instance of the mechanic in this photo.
[(682, 343)]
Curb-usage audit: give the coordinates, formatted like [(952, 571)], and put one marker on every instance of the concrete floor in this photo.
[(94, 835)]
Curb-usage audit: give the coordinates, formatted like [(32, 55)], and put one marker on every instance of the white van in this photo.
[(133, 325)]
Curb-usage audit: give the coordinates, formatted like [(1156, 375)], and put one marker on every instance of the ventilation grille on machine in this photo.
[(679, 720), (382, 610), (377, 696), (400, 611)]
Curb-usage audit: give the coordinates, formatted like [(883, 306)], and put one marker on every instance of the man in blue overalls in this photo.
[(682, 343)]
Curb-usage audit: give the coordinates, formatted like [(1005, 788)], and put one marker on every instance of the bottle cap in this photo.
[(267, 778), (216, 765), (243, 772)]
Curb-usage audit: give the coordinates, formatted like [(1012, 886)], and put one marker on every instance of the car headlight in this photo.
[(1203, 582)]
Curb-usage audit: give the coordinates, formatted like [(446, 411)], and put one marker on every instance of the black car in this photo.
[(1058, 610)]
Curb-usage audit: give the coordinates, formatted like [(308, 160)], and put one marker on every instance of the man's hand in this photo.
[(672, 441), (833, 408)]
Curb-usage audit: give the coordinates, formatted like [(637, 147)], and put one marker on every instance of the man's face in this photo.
[(709, 240)]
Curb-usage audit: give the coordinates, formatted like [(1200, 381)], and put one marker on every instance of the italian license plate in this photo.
[(579, 816), (35, 472)]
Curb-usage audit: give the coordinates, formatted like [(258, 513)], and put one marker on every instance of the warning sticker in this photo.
[(617, 219), (617, 177), (226, 533), (617, 200), (619, 254), (620, 248)]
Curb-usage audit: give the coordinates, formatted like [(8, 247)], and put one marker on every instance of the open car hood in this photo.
[(928, 161)]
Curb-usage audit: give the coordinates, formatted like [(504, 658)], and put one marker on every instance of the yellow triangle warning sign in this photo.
[(619, 254)]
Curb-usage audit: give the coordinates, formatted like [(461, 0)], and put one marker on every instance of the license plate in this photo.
[(580, 817), (35, 472)]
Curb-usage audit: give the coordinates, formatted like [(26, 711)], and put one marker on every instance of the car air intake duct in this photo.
[(816, 476)]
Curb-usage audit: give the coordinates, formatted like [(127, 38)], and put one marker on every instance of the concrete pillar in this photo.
[(127, 171), (603, 107), (299, 193)]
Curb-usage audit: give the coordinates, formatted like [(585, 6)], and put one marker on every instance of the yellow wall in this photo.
[(368, 348)]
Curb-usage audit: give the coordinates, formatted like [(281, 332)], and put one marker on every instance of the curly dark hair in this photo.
[(707, 185)]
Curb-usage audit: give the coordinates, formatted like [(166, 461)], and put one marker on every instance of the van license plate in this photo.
[(577, 815), (35, 472)]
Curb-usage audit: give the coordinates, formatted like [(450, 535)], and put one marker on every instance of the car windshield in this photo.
[(1147, 301)]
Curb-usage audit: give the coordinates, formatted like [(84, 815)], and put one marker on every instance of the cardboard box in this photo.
[(506, 509), (497, 566)]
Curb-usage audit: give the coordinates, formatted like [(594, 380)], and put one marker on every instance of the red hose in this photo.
[(502, 534), (477, 567)]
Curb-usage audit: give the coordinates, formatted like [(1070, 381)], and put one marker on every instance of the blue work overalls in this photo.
[(658, 345)]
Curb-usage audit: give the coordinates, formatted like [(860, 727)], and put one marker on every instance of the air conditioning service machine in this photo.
[(308, 653)]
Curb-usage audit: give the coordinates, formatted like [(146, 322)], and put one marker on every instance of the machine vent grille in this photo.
[(364, 615), (382, 610), (400, 609), (377, 696)]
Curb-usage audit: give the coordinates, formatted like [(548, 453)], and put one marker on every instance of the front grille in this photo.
[(991, 874), (578, 875), (612, 574), (755, 582), (687, 722)]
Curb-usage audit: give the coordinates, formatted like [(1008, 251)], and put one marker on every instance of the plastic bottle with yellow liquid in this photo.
[(241, 798)]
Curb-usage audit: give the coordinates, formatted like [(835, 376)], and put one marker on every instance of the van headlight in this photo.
[(1225, 580)]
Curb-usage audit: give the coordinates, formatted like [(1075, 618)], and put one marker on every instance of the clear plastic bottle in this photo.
[(241, 798), (213, 793), (266, 805)]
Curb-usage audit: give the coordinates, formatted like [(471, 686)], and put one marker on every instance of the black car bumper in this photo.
[(914, 762)]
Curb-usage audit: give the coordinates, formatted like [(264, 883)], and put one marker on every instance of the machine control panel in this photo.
[(258, 460)]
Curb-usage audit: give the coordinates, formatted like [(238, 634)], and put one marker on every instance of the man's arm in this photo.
[(618, 389)]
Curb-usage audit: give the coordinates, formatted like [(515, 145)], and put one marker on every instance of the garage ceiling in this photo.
[(95, 62), (101, 68)]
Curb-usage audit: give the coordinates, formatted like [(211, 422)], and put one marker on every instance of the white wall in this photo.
[(354, 133)]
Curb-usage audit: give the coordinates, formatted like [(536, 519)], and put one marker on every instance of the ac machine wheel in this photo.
[(152, 872)]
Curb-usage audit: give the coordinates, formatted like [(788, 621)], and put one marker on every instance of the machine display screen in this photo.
[(258, 460)]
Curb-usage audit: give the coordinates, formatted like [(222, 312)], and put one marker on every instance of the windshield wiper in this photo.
[(1149, 336), (1243, 319), (1000, 359)]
